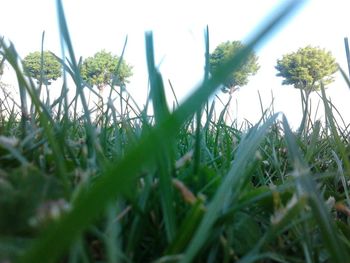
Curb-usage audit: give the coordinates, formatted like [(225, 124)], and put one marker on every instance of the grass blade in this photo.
[(307, 188), (164, 163), (66, 42), (44, 117), (120, 178), (231, 185)]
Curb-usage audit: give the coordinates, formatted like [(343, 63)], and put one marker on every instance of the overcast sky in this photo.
[(178, 28)]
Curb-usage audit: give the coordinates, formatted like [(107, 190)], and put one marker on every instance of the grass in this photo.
[(129, 187)]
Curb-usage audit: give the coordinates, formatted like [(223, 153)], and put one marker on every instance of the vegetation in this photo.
[(238, 78), (2, 60), (307, 69), (104, 68), (126, 191), (44, 67)]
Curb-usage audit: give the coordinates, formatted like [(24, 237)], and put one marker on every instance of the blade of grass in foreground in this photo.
[(66, 42), (45, 118), (120, 178), (346, 78), (307, 188), (11, 56), (199, 130), (164, 162), (231, 185), (340, 146)]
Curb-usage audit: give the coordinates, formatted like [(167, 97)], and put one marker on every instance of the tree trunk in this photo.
[(100, 104), (305, 97)]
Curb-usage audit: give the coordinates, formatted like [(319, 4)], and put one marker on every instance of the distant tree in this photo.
[(50, 70), (307, 68), (240, 77), (101, 69)]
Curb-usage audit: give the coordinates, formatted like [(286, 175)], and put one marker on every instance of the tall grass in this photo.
[(130, 187)]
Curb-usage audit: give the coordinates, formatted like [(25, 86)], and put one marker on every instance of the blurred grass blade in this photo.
[(116, 81), (120, 179), (10, 53), (306, 187), (347, 51), (337, 139), (342, 176), (41, 64), (281, 221), (174, 93), (187, 229), (345, 76), (164, 153), (157, 92), (45, 118), (65, 40), (199, 135), (231, 185), (112, 233), (10, 145), (315, 137)]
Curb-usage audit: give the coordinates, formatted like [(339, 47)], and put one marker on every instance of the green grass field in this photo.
[(117, 185)]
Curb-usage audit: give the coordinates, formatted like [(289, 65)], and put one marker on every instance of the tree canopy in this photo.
[(240, 77), (102, 68), (50, 70), (307, 68)]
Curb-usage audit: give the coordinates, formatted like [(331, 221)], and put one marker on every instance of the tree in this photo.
[(43, 73), (101, 69), (239, 78), (307, 69)]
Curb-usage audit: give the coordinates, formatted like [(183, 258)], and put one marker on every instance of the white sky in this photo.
[(178, 28)]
